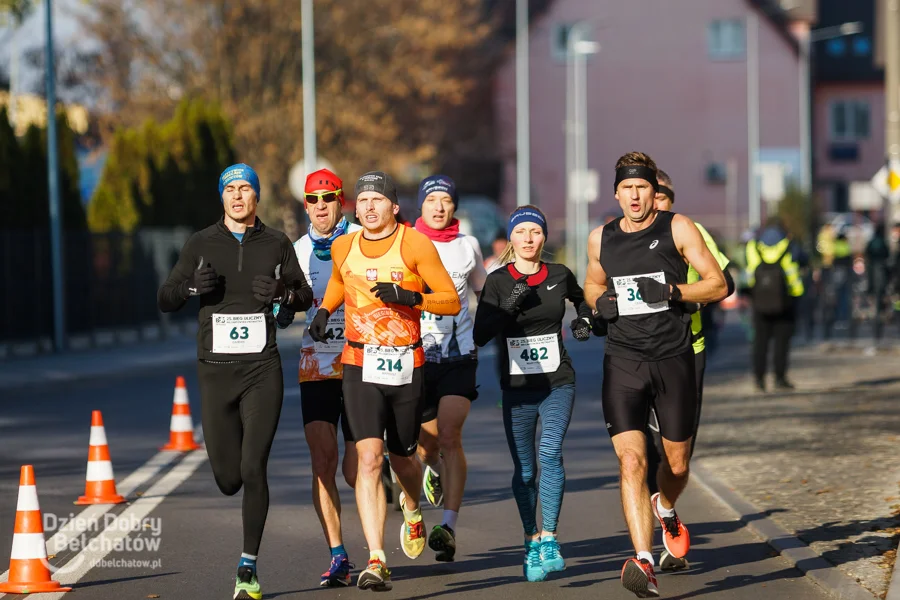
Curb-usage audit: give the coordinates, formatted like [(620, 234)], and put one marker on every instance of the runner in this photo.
[(665, 198), (451, 362), (239, 268), (321, 397), (638, 284), (524, 304), (381, 274)]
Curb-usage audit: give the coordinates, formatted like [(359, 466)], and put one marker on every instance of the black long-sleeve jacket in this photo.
[(260, 252)]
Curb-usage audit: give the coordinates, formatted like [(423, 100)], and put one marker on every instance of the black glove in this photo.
[(607, 306), (268, 289), (581, 329), (653, 292), (520, 292), (318, 329), (391, 293), (203, 280), (599, 327)]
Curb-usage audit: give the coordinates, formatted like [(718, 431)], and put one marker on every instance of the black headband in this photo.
[(664, 189), (636, 172)]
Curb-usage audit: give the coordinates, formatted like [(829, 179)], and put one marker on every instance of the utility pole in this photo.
[(523, 111), (892, 93), (753, 210), (59, 324), (309, 85)]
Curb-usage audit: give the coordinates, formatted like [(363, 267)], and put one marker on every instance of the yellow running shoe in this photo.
[(412, 531)]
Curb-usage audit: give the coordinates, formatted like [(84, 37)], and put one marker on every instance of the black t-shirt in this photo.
[(541, 317), (648, 336), (236, 263)]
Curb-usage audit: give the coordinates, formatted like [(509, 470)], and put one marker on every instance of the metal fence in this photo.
[(110, 281)]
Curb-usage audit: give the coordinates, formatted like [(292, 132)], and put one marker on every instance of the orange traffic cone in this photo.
[(28, 567), (181, 428), (100, 487)]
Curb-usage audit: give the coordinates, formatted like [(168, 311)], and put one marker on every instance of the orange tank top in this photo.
[(367, 319)]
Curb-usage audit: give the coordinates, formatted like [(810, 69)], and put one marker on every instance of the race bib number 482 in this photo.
[(533, 354), (628, 297), (238, 334)]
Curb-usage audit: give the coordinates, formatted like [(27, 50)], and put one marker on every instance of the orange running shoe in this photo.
[(639, 579), (675, 535)]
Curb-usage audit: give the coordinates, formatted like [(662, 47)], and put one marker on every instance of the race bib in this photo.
[(534, 354), (436, 324), (629, 300), (239, 334), (336, 340), (388, 365)]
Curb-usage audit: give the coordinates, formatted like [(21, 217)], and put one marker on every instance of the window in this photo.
[(862, 45), (559, 40), (836, 47), (849, 120), (726, 39)]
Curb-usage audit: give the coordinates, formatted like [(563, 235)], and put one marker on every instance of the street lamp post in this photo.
[(577, 218), (59, 324), (309, 85), (523, 111)]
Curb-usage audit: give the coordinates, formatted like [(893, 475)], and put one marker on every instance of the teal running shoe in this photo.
[(551, 558), (533, 569)]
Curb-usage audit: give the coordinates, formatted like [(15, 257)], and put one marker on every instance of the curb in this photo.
[(893, 592), (801, 556)]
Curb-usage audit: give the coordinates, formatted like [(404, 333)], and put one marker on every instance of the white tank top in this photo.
[(317, 361), (450, 338)]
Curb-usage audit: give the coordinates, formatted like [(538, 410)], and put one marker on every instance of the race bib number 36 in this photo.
[(533, 354), (239, 334), (336, 340), (387, 365), (628, 298)]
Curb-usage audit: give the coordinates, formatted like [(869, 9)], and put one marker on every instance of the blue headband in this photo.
[(525, 215), (438, 183), (239, 172)]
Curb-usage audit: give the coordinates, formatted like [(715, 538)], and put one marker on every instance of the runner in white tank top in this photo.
[(451, 361), (321, 371)]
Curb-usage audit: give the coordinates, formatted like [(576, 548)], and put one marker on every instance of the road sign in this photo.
[(887, 181)]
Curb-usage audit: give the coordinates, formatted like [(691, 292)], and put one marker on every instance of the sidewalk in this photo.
[(824, 460), (84, 364)]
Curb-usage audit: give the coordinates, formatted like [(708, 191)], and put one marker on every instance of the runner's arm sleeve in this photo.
[(334, 293), (172, 295), (576, 297), (490, 319), (443, 299), (479, 273), (294, 278)]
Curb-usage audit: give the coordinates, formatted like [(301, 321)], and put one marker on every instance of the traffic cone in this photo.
[(181, 428), (28, 567), (100, 487)]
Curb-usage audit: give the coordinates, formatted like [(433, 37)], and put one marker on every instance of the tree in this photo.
[(794, 211), (391, 91), (10, 173)]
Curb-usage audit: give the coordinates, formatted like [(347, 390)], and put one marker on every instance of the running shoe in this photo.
[(412, 531), (431, 485), (443, 541), (551, 558), (246, 585), (533, 569), (639, 579), (667, 562), (375, 577), (338, 573), (675, 534)]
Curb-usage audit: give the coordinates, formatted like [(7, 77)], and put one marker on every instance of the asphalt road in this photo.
[(189, 536)]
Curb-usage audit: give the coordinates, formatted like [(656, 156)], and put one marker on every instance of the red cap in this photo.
[(323, 179)]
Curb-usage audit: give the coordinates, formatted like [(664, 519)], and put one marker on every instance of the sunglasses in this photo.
[(313, 198)]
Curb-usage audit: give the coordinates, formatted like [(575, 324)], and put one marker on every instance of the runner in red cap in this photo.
[(321, 371)]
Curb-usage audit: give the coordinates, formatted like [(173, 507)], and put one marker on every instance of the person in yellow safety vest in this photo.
[(825, 244), (665, 198), (774, 277)]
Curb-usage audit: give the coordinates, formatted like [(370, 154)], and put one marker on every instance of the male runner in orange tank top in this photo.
[(381, 275)]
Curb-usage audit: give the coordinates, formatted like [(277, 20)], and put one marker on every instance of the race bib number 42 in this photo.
[(238, 334), (335, 342), (388, 365), (628, 298), (533, 354)]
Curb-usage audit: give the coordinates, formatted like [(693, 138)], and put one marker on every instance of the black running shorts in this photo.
[(324, 401), (455, 378), (631, 388), (373, 409)]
